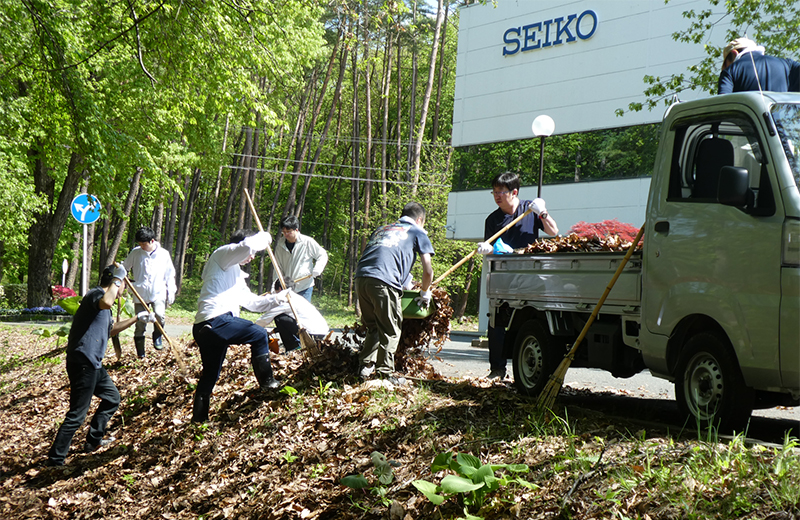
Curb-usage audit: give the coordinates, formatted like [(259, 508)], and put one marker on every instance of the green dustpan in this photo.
[(410, 308)]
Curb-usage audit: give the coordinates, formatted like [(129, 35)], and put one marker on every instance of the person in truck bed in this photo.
[(505, 190)]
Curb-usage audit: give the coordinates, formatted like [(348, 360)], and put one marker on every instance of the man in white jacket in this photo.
[(153, 276), (217, 324), (299, 257)]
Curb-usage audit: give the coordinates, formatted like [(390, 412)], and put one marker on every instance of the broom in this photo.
[(306, 340), (550, 391), (172, 347), (491, 239)]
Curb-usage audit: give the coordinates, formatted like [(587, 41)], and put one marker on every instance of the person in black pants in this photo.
[(86, 347), (217, 324)]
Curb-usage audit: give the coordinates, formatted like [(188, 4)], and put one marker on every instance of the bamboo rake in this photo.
[(305, 338), (548, 396), (491, 239), (172, 347)]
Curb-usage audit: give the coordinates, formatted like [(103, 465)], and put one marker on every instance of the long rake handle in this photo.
[(271, 255), (491, 239), (565, 363), (172, 347)]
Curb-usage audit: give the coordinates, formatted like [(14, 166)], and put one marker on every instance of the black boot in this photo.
[(139, 342), (262, 368), (200, 408)]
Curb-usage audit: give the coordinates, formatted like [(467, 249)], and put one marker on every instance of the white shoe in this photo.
[(367, 370)]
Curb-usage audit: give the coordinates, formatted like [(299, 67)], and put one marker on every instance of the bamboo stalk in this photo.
[(549, 393)]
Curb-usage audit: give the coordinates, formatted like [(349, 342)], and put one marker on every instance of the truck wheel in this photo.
[(709, 385), (534, 360)]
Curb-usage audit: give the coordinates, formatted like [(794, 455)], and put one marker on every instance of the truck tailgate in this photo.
[(566, 281)]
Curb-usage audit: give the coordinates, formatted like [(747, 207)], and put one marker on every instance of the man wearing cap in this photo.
[(745, 67)]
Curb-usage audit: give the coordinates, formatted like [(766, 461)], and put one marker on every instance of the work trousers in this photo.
[(84, 382), (382, 314), (158, 307), (214, 336), (496, 337), (288, 330)]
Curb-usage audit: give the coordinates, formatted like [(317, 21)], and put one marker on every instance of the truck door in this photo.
[(707, 263)]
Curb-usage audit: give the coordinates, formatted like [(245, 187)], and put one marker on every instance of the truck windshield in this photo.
[(787, 121)]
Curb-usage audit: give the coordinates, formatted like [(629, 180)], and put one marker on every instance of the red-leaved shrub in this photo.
[(605, 229), (60, 292)]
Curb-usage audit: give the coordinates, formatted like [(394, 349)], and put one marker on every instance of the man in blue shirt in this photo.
[(745, 67), (382, 272), (86, 347)]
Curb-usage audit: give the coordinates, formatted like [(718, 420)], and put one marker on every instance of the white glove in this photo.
[(170, 299), (260, 241), (146, 317), (424, 299), (538, 206), (120, 272), (485, 248)]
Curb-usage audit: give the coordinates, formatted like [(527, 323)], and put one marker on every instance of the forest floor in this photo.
[(285, 454)]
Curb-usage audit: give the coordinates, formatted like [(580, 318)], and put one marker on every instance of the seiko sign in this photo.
[(550, 32)]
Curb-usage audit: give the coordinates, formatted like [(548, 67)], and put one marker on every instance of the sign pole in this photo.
[(85, 209), (84, 274)]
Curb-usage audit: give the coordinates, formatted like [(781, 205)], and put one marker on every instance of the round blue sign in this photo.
[(86, 208)]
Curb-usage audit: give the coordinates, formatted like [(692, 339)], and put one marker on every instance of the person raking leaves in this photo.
[(86, 346)]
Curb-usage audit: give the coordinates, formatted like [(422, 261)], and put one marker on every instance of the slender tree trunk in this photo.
[(158, 219), (185, 225), (440, 79), (462, 301), (247, 153), (134, 221), (387, 85), (427, 98), (169, 231), (126, 211), (412, 110), (399, 94)]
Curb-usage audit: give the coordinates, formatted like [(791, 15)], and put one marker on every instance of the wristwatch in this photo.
[(117, 282)]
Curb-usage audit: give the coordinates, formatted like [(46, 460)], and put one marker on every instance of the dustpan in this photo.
[(411, 310)]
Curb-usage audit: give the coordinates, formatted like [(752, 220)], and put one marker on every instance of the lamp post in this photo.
[(542, 126)]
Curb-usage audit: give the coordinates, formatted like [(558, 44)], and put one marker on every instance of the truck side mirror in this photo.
[(733, 188)]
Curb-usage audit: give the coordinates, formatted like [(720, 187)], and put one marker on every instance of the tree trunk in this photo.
[(134, 221), (247, 153), (169, 232), (462, 301), (387, 85), (412, 110), (158, 219), (48, 224), (185, 225), (440, 79), (427, 98), (126, 211)]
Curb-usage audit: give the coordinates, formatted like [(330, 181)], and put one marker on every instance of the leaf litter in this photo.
[(284, 455)]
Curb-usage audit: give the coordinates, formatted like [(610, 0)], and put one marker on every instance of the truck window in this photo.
[(787, 121), (702, 149)]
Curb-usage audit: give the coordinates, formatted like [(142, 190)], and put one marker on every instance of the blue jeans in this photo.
[(84, 382), (306, 293), (214, 336)]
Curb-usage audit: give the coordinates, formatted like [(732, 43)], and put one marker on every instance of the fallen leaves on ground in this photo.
[(575, 243), (283, 455)]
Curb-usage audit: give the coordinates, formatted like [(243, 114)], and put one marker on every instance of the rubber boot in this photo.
[(157, 343), (139, 342), (262, 368), (200, 408)]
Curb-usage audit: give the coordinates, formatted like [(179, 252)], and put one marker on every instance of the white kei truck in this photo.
[(712, 301)]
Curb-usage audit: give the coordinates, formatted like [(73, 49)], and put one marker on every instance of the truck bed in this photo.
[(566, 281)]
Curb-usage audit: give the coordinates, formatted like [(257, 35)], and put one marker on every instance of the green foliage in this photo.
[(470, 481), (384, 472), (16, 294)]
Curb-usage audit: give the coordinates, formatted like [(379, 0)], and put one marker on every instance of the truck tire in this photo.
[(709, 385), (534, 358)]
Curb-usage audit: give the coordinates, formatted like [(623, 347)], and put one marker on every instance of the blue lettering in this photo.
[(511, 41), (565, 29), (546, 24), (594, 25), (531, 36)]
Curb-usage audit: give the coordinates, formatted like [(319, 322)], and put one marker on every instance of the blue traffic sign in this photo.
[(85, 208)]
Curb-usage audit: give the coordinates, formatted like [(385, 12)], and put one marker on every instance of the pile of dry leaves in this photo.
[(575, 243), (283, 455)]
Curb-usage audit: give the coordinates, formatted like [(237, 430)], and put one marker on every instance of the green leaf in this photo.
[(383, 470), (517, 468), (486, 475), (441, 462), (288, 390), (355, 481), (465, 459), (452, 484), (429, 489), (70, 304), (468, 516)]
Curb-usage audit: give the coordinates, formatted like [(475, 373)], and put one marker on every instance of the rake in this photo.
[(548, 396), (310, 346)]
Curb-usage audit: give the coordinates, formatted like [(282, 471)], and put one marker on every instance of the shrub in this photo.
[(16, 295), (605, 229), (60, 292)]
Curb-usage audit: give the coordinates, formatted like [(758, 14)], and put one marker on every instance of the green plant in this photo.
[(288, 390), (288, 457), (61, 332), (384, 471), (470, 481)]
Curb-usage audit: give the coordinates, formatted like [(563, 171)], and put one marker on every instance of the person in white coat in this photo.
[(153, 276), (299, 258)]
